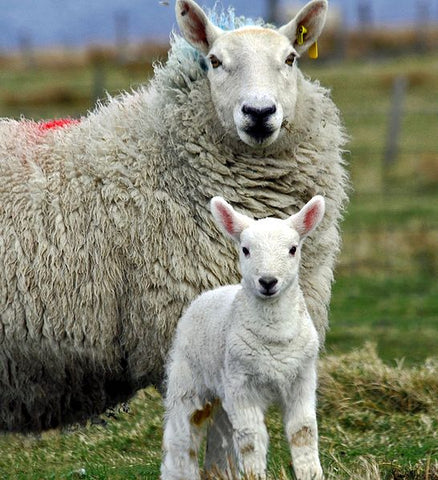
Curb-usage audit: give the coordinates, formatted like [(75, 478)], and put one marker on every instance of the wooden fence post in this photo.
[(121, 23), (27, 52), (394, 125), (423, 16), (272, 14), (98, 87)]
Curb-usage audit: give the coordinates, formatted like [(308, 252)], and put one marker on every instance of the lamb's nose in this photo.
[(259, 113), (268, 283)]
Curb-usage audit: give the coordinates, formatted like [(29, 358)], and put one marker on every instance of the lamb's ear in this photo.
[(304, 30), (306, 220), (228, 220), (195, 26)]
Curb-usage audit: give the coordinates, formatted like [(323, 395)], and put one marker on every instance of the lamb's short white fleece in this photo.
[(248, 346)]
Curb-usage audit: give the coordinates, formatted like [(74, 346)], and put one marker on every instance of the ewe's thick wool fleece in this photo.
[(106, 235)]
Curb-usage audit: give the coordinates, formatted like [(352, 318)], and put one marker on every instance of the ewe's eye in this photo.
[(290, 60), (293, 250), (215, 62), (245, 251)]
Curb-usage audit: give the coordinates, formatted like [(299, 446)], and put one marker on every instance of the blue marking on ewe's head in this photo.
[(226, 19), (191, 63)]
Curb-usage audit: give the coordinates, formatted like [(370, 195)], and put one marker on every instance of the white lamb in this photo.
[(248, 346)]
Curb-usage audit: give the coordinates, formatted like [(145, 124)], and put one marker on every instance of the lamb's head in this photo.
[(270, 248), (252, 70)]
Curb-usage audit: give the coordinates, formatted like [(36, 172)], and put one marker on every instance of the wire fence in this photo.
[(392, 224)]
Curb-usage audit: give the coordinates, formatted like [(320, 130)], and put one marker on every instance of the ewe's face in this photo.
[(253, 80), (252, 72), (269, 257)]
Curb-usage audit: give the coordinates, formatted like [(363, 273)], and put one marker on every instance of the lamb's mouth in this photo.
[(268, 293)]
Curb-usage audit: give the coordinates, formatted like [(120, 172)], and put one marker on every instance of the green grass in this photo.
[(378, 412), (370, 414), (128, 447), (399, 314), (52, 93)]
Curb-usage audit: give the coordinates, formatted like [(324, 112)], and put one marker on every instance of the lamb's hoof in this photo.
[(313, 472)]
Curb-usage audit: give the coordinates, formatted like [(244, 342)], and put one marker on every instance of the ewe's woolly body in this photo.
[(105, 234)]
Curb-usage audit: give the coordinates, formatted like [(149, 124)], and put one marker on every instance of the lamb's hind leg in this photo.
[(182, 435), (181, 442)]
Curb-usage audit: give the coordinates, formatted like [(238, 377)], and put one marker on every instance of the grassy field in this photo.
[(375, 421), (386, 290), (378, 392)]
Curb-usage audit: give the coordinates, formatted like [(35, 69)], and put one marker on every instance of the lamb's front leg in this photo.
[(301, 427), (250, 436)]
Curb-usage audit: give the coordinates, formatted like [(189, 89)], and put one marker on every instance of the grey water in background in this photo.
[(71, 23)]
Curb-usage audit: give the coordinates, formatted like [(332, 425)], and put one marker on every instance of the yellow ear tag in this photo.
[(302, 30), (313, 51)]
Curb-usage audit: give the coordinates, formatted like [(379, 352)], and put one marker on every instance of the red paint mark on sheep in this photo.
[(58, 123)]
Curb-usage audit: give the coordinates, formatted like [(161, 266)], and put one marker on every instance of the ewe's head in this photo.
[(252, 70), (270, 248)]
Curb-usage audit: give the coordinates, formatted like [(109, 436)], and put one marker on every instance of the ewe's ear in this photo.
[(312, 17), (228, 220), (306, 220), (195, 26)]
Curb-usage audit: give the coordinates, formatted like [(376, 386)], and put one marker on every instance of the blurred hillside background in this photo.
[(380, 60)]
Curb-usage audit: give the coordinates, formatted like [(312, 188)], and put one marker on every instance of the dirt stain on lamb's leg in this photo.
[(302, 438), (200, 416)]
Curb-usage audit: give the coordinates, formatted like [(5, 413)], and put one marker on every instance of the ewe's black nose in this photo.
[(259, 114), (268, 283)]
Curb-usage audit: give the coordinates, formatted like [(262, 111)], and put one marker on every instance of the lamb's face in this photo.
[(253, 81), (270, 248), (269, 257)]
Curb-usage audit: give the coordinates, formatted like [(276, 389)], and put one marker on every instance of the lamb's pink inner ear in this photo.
[(197, 33), (311, 217), (227, 218)]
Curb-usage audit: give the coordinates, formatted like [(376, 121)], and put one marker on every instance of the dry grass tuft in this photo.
[(360, 380), (366, 468)]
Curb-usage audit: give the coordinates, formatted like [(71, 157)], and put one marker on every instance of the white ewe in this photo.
[(104, 232), (248, 346)]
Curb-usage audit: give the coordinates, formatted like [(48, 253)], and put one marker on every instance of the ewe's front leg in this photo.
[(250, 436), (301, 427)]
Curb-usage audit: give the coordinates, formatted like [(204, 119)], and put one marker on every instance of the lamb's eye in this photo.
[(290, 60), (245, 251), (293, 250), (215, 62)]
